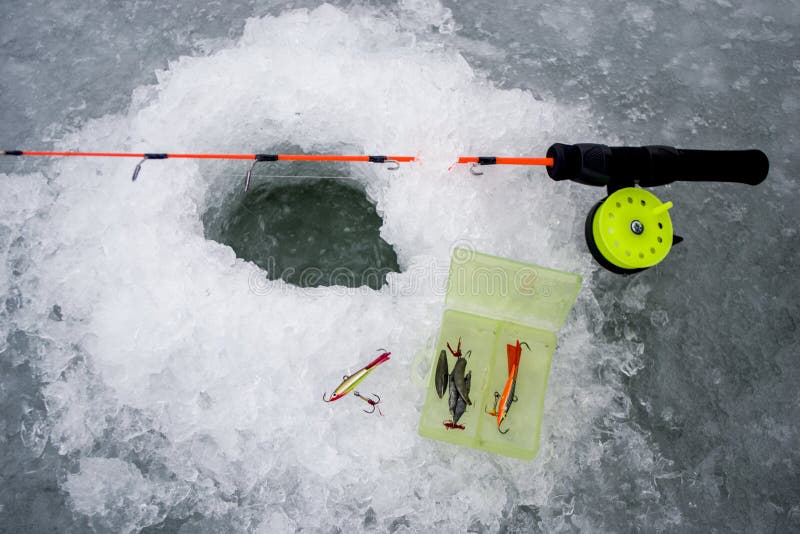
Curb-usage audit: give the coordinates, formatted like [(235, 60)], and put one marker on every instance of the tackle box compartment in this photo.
[(492, 302)]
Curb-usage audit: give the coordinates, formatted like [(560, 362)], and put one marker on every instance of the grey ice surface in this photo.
[(715, 396)]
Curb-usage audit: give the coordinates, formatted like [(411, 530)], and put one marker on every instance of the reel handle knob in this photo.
[(649, 166)]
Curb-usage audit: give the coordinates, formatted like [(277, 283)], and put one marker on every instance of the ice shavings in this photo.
[(181, 388)]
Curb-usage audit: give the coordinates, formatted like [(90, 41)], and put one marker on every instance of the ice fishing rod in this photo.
[(392, 161), (628, 231)]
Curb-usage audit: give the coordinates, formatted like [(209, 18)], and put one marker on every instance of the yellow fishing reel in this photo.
[(631, 230)]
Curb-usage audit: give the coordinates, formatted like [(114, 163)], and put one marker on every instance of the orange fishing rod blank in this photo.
[(281, 157), (509, 161), (212, 156), (525, 161), (290, 157), (320, 157), (87, 154), (336, 157)]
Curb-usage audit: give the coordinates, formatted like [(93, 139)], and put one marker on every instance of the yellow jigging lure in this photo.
[(350, 382)]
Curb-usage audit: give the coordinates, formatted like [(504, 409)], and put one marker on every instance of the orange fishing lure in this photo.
[(502, 403)]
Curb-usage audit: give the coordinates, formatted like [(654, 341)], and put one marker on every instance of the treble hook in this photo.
[(457, 352), (494, 410), (372, 403), (475, 169), (496, 399), (137, 169), (394, 165)]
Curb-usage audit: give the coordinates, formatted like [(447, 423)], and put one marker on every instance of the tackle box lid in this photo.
[(510, 290)]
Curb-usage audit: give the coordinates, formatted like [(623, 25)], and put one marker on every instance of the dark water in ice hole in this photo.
[(308, 232)]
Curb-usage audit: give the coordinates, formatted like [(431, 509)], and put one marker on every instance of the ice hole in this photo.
[(307, 223)]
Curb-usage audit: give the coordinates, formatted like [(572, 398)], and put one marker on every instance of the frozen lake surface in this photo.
[(150, 380)]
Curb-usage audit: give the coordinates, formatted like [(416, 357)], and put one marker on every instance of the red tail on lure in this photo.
[(379, 360), (457, 352), (514, 353), (349, 382)]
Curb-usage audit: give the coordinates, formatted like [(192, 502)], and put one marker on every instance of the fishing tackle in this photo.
[(350, 382), (372, 403), (502, 403), (459, 384), (456, 378), (457, 404), (453, 400), (627, 232), (461, 403), (459, 380), (457, 352), (630, 230), (478, 161), (392, 162), (441, 374)]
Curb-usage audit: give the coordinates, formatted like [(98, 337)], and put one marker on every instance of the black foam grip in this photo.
[(740, 166), (648, 166)]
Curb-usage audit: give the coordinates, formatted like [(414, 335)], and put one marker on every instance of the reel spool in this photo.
[(631, 230)]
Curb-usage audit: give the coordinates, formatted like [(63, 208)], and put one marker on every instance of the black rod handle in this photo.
[(648, 166)]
